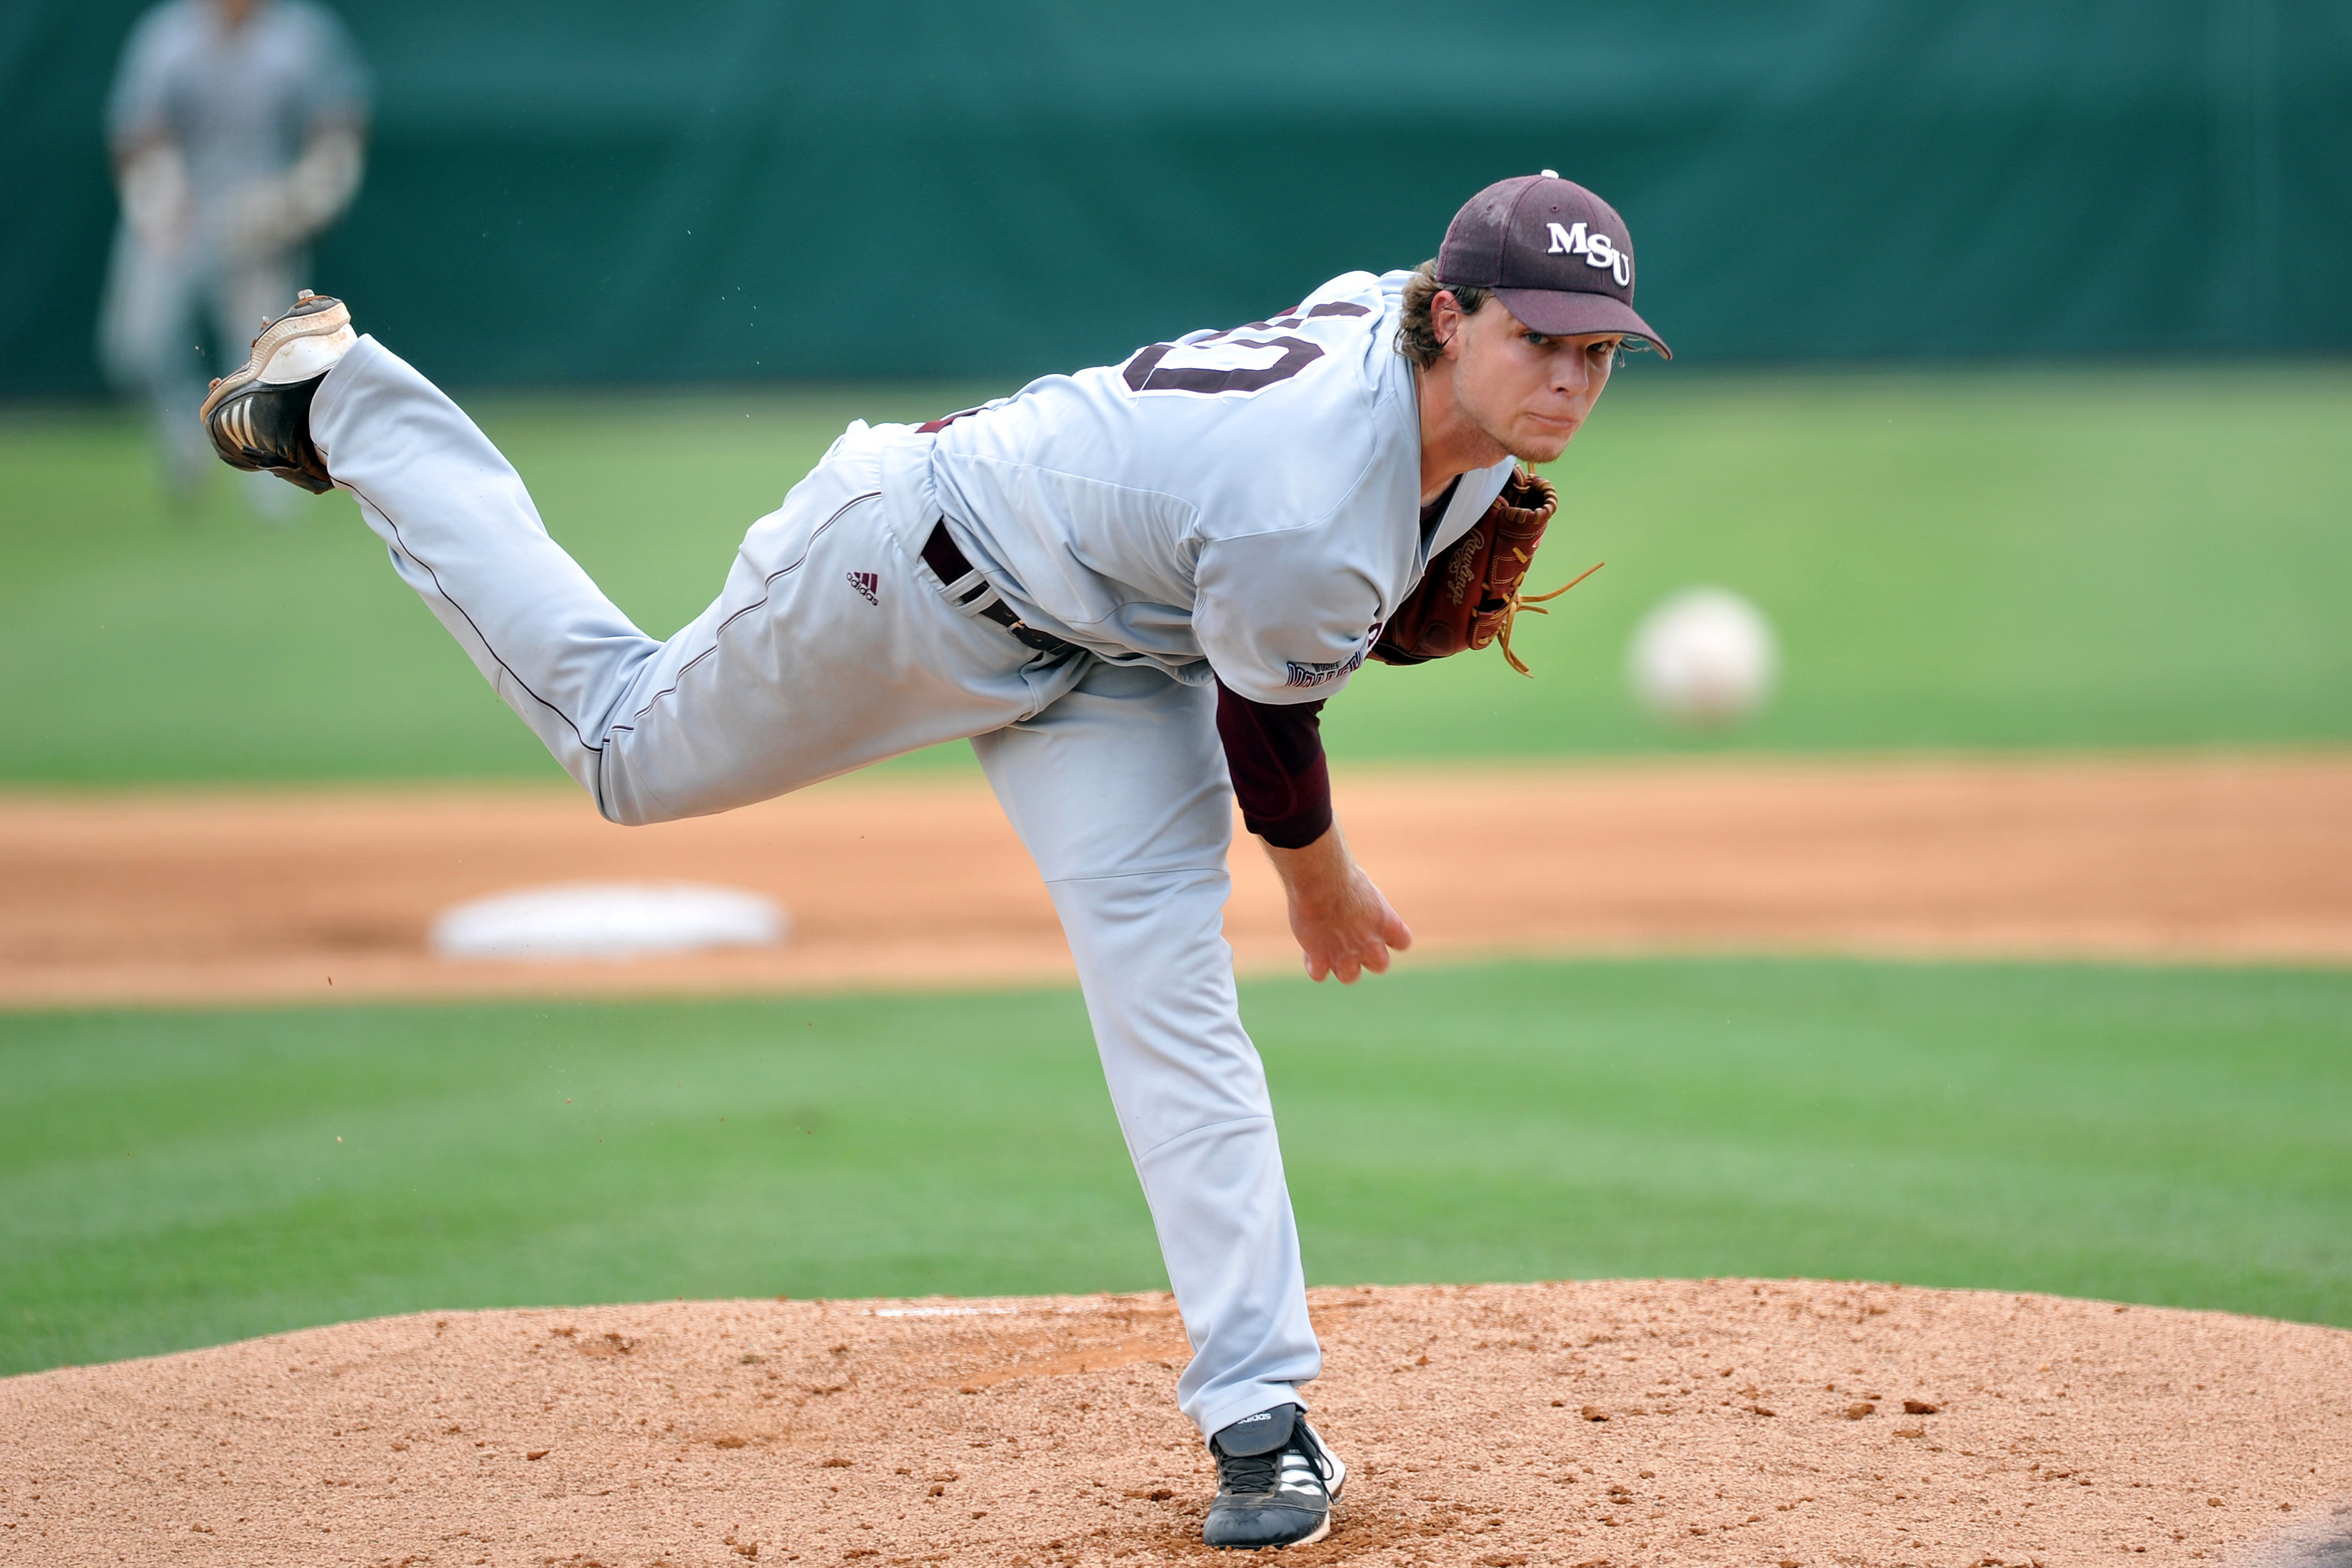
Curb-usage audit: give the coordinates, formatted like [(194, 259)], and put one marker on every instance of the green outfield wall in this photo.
[(750, 189)]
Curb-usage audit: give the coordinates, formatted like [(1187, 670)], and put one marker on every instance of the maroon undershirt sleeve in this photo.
[(1274, 752), (1274, 749)]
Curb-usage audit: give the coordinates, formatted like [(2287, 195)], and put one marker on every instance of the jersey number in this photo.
[(1227, 363)]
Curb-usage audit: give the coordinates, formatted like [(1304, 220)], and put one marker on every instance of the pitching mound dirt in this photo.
[(1617, 1422)]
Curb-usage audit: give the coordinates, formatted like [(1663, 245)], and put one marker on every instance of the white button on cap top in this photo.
[(1551, 174)]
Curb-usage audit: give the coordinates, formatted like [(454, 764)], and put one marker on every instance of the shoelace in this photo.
[(1249, 1474)]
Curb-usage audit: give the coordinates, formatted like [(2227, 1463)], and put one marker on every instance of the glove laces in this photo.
[(1533, 604)]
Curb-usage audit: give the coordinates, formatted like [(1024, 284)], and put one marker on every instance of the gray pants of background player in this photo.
[(152, 313), (1112, 775)]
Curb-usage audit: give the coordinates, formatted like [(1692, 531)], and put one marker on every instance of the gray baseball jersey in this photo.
[(1244, 502), (238, 101)]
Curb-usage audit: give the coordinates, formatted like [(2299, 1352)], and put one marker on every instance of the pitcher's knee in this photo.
[(1215, 1142), (623, 800)]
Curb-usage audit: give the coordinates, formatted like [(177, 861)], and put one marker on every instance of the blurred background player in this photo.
[(238, 132)]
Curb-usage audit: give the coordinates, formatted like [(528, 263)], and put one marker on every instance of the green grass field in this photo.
[(1983, 558), (2178, 1137), (2025, 558)]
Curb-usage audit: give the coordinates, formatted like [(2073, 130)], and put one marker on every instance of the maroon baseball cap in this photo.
[(1558, 256)]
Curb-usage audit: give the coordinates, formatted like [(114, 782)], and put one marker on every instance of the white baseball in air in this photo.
[(607, 919), (1705, 657)]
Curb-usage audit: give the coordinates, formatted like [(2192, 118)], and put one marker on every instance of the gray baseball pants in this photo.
[(1112, 775), (150, 315)]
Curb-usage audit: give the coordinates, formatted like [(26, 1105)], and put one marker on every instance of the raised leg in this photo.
[(829, 648), (1120, 791)]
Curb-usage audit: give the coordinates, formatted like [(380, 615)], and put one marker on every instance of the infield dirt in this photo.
[(218, 898), (1618, 1422)]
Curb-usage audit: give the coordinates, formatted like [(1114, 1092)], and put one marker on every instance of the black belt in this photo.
[(940, 553)]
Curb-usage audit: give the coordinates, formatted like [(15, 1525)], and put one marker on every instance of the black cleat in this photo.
[(1276, 1482), (260, 418)]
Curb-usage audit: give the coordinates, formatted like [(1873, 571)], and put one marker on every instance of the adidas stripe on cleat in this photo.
[(259, 416)]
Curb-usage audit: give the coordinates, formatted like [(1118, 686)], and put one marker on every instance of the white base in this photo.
[(608, 920)]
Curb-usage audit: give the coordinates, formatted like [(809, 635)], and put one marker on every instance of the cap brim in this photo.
[(1561, 313)]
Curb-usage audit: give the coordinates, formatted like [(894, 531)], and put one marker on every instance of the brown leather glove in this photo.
[(1470, 595)]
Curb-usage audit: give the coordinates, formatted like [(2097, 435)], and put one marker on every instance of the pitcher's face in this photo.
[(1525, 390)]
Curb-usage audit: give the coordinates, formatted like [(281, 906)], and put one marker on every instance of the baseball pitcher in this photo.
[(1133, 589)]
